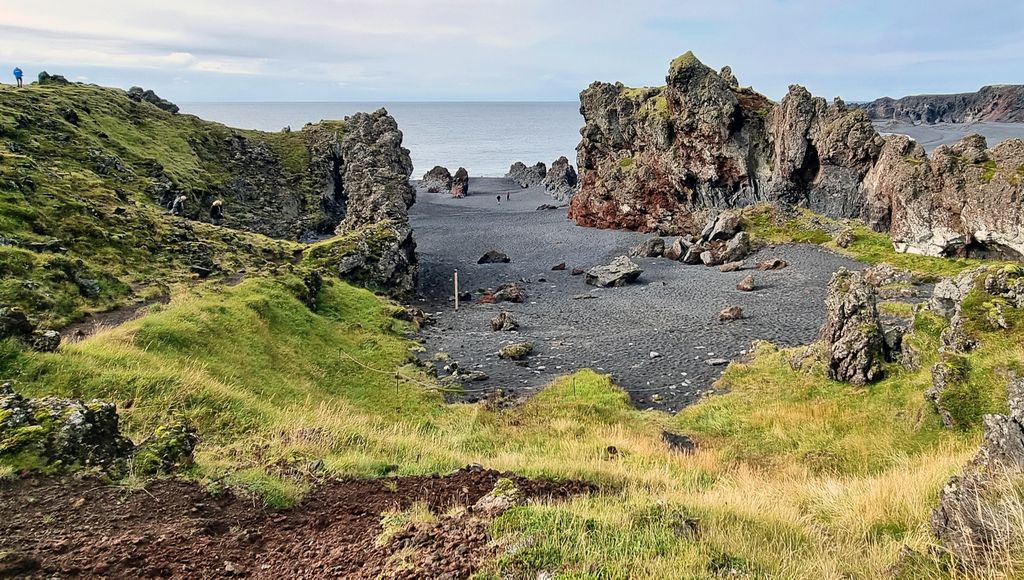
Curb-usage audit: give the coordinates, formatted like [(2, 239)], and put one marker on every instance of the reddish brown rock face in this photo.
[(652, 158)]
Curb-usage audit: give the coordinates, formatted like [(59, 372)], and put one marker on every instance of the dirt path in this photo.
[(66, 527)]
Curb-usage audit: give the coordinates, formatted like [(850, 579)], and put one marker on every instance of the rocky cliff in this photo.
[(655, 159), (650, 158), (87, 174), (993, 103)]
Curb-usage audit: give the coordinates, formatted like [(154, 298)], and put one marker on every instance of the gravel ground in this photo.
[(672, 310)]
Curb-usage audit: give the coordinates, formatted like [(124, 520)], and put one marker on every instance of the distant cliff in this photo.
[(658, 159), (993, 103)]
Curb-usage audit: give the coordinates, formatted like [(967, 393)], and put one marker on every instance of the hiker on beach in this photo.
[(499, 199), (17, 75), (508, 195), (217, 212), (178, 205)]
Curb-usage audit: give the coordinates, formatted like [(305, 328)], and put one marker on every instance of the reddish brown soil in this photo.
[(66, 527)]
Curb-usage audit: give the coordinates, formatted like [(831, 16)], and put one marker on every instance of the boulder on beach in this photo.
[(460, 183), (438, 180), (775, 264), (527, 176), (676, 250), (494, 257), (516, 351), (730, 313), (650, 248), (731, 266), (746, 285), (620, 272), (510, 292), (504, 322)]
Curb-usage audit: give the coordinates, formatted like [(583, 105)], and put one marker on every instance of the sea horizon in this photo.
[(485, 137)]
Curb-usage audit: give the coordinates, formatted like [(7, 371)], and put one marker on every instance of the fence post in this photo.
[(456, 290)]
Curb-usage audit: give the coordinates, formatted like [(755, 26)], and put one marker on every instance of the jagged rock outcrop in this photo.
[(438, 180), (821, 154), (138, 94), (527, 176), (652, 159), (852, 334), (991, 103), (962, 201), (376, 243), (975, 517), (460, 183), (561, 180), (649, 157)]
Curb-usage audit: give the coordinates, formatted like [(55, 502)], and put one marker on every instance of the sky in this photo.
[(509, 50)]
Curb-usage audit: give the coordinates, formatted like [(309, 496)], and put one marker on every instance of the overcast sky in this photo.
[(426, 50)]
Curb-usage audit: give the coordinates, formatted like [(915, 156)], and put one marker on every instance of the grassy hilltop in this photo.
[(795, 476)]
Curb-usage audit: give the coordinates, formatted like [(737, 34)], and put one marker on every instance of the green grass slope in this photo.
[(84, 171), (796, 476)]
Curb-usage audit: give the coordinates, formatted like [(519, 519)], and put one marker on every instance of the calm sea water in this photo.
[(485, 138)]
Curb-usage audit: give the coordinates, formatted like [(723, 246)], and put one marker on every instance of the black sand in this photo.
[(672, 311)]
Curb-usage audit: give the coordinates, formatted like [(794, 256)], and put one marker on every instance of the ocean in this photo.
[(483, 137)]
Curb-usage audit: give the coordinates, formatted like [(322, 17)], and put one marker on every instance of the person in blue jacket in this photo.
[(17, 75)]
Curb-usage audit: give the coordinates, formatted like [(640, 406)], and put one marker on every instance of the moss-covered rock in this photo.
[(516, 350), (169, 449), (57, 434)]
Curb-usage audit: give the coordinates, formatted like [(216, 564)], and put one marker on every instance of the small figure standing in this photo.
[(508, 195), (499, 199), (178, 205), (17, 75), (217, 212)]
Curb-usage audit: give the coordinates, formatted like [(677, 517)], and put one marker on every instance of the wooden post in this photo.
[(456, 290)]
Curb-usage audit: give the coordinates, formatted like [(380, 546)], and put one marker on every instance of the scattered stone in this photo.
[(169, 449), (45, 341), (730, 313), (438, 180), (460, 183), (881, 275), (737, 248), (510, 292), (746, 285), (724, 227), (516, 351), (504, 322), (577, 271), (775, 264), (731, 266), (494, 257), (14, 324), (46, 78), (650, 248), (676, 250), (558, 268), (844, 238), (711, 258), (852, 333), (584, 297), (680, 443), (716, 362), (546, 206), (620, 272), (655, 355), (504, 496), (693, 254), (955, 337), (473, 376)]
